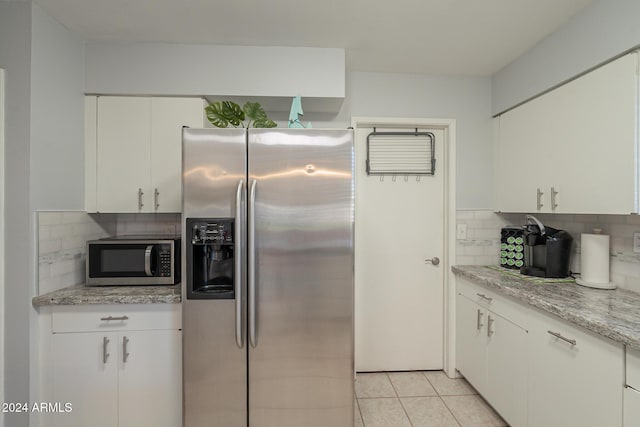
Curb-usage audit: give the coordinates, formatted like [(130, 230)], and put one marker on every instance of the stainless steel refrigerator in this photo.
[(268, 277)]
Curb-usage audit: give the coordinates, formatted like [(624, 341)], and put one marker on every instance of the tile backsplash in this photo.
[(62, 238), (483, 235)]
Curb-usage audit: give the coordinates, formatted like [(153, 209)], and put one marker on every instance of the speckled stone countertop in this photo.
[(81, 294), (614, 314)]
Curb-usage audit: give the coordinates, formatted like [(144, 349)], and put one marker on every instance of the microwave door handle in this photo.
[(147, 260)]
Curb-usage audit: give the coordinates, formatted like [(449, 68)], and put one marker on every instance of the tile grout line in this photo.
[(442, 400), (450, 411), (406, 414)]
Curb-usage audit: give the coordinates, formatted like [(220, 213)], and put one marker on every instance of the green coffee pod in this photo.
[(503, 246), (519, 263), (519, 240), (510, 262), (511, 239), (510, 247), (511, 254), (503, 254), (519, 248), (503, 260), (519, 255)]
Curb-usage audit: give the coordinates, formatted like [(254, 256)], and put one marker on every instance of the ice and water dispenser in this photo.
[(210, 258)]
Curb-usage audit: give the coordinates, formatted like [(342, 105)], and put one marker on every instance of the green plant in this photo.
[(224, 113)]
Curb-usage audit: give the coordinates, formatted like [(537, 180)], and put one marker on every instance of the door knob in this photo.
[(435, 260)]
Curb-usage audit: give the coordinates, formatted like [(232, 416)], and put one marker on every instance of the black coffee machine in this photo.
[(547, 251)]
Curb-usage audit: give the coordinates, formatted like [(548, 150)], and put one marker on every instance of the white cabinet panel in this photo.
[(134, 156), (491, 351), (471, 355), (633, 368), (168, 116), (507, 362), (576, 144), (83, 377), (631, 407), (121, 376), (123, 153), (570, 384), (150, 380)]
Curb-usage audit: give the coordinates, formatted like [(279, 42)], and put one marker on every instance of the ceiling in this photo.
[(450, 37)]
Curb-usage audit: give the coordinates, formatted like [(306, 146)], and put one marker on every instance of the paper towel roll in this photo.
[(594, 261)]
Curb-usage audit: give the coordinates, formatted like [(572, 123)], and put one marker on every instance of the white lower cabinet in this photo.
[(82, 379), (576, 378), (632, 389), (631, 407), (491, 354), (117, 376), (537, 370)]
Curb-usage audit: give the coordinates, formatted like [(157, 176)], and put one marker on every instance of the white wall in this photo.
[(466, 99), (57, 115), (15, 39), (180, 69), (600, 32)]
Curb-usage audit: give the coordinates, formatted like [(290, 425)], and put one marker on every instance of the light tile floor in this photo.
[(420, 399)]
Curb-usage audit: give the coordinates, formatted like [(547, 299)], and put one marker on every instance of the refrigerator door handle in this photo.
[(252, 266), (238, 265)]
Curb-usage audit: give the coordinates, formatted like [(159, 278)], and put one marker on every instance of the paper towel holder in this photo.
[(604, 248)]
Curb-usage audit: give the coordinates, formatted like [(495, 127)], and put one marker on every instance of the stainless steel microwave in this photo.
[(133, 260)]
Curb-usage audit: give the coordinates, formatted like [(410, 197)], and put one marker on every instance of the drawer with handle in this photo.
[(499, 304), (121, 317)]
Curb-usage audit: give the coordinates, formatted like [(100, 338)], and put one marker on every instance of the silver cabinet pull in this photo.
[(489, 324), (105, 354), (238, 266), (539, 200), (156, 198), (125, 354), (252, 265), (435, 260), (140, 194), (484, 297), (559, 336), (554, 193), (479, 323), (114, 318)]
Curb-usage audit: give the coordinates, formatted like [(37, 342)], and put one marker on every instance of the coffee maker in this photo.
[(547, 251)]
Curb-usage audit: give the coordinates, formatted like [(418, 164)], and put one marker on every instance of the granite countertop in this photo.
[(81, 294), (614, 314)]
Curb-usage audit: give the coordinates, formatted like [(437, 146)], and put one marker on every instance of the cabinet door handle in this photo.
[(114, 318), (479, 323), (484, 297), (559, 336), (554, 193), (105, 354), (125, 354), (489, 324), (140, 194), (539, 200), (156, 198)]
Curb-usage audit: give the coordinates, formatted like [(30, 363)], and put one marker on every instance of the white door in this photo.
[(398, 295)]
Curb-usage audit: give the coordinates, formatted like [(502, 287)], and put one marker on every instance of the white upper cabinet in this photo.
[(133, 152), (574, 149)]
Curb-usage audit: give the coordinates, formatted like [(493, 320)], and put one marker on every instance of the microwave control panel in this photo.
[(166, 260), (212, 232)]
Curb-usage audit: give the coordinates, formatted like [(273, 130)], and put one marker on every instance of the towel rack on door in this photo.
[(401, 153)]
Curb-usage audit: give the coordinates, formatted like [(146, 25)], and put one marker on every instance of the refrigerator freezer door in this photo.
[(301, 339), (215, 363)]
